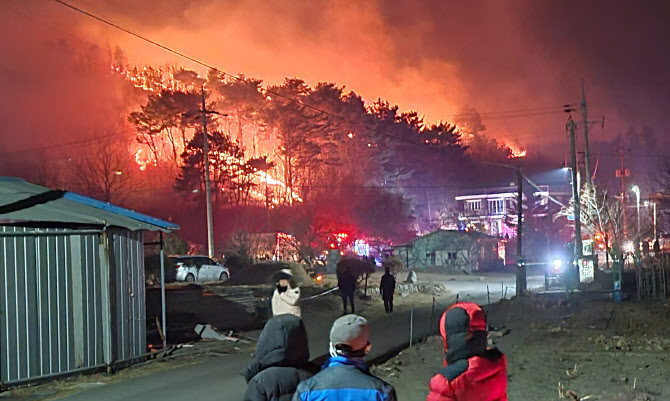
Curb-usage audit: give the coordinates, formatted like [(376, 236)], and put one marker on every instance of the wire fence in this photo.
[(651, 279)]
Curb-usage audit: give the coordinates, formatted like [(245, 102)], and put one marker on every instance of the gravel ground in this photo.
[(594, 349)]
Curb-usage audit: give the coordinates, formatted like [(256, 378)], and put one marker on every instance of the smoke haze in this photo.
[(432, 56)]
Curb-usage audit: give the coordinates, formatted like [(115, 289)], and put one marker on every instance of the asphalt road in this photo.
[(219, 378)]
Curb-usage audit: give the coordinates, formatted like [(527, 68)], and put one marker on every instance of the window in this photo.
[(431, 256), (497, 206), (451, 256), (473, 205)]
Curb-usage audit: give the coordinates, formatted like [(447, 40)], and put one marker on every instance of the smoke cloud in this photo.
[(432, 56)]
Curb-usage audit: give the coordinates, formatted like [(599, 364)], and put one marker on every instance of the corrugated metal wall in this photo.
[(55, 312), (130, 315)]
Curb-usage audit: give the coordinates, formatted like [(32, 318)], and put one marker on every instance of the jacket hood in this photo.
[(283, 342), (463, 330)]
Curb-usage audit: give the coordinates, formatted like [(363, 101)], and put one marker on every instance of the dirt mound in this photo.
[(265, 273)]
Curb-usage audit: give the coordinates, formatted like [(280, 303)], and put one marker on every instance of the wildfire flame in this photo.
[(516, 151), (142, 162)]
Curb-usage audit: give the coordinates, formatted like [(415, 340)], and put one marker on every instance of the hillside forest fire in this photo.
[(161, 146)]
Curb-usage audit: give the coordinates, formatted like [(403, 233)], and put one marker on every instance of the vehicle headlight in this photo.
[(558, 264)]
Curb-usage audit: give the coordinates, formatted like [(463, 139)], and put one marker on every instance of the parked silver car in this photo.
[(191, 268)]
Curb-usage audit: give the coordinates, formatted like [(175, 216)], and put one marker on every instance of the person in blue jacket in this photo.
[(345, 376)]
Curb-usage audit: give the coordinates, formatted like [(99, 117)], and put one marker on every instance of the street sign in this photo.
[(587, 247), (622, 173), (586, 271)]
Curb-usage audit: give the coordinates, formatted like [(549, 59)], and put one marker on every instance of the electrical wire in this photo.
[(80, 142), (485, 113)]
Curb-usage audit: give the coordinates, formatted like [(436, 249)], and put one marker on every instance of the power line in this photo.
[(509, 112), (79, 142), (104, 21)]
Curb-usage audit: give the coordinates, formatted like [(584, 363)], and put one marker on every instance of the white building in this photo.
[(493, 210)]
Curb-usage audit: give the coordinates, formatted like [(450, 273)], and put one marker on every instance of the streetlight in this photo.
[(636, 189), (653, 204)]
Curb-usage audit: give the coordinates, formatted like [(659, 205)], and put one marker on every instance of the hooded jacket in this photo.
[(286, 301), (472, 371), (281, 360)]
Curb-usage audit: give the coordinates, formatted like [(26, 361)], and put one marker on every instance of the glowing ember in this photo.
[(140, 160)]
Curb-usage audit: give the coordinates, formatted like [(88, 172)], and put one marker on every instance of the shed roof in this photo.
[(458, 233), (24, 202)]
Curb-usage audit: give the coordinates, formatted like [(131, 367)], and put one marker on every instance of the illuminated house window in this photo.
[(473, 205), (497, 206)]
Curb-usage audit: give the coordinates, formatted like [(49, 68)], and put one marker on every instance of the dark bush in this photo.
[(235, 263), (394, 264), (267, 273), (356, 266)]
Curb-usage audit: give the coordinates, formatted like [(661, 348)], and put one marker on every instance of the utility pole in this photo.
[(520, 265), (208, 187), (655, 231), (587, 164), (520, 268), (587, 151), (575, 193), (623, 173)]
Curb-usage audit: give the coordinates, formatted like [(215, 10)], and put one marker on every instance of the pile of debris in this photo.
[(404, 289), (622, 343)]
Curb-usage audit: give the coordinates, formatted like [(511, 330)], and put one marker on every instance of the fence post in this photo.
[(502, 289), (411, 325), (488, 295)]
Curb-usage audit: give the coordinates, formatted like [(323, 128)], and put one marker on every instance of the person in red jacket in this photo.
[(472, 371)]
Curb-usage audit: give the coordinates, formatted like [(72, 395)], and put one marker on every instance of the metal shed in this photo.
[(72, 281)]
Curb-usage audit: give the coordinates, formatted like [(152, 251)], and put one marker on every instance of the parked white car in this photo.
[(192, 268)]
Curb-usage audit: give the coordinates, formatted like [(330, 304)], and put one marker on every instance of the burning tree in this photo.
[(480, 145), (165, 123), (230, 176), (295, 126), (242, 100)]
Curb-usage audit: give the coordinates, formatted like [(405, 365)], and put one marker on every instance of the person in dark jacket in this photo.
[(281, 360), (345, 376), (386, 289), (472, 371), (346, 281)]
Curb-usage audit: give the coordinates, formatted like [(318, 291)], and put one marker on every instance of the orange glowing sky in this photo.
[(432, 56)]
